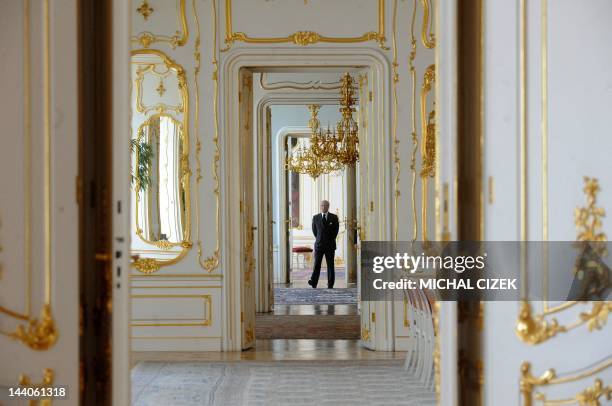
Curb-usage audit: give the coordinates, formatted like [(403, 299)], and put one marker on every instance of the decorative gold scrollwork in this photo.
[(396, 140), (157, 63), (528, 382), (210, 263), (304, 38), (171, 68), (413, 132), (590, 396), (428, 164), (41, 333), (598, 316), (146, 265), (145, 10), (535, 329), (47, 380), (428, 144), (588, 219), (146, 38), (427, 37)]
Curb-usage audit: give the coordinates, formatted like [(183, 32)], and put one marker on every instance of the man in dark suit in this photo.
[(325, 228)]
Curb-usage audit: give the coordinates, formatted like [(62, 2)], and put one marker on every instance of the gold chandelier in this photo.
[(329, 151)]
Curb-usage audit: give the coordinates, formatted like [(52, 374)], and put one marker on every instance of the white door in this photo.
[(547, 122), (39, 289)]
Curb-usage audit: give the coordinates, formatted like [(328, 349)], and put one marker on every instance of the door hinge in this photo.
[(241, 206), (370, 96), (240, 97), (241, 317), (373, 317), (371, 206)]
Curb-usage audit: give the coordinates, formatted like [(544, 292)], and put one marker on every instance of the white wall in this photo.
[(384, 216)]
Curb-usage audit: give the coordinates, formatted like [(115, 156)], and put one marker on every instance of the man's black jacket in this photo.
[(325, 231)]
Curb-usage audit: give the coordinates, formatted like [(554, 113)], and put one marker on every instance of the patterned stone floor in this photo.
[(333, 382)]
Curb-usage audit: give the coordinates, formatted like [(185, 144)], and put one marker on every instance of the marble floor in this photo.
[(278, 383), (271, 361), (278, 350)]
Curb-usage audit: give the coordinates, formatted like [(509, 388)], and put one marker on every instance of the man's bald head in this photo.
[(324, 206)]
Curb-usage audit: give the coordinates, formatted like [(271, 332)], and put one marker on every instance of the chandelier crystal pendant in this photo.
[(329, 151)]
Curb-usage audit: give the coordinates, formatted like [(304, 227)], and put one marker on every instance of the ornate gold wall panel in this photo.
[(171, 69), (591, 396), (304, 38), (164, 67), (209, 263), (39, 333), (147, 38), (413, 116), (396, 156), (535, 328)]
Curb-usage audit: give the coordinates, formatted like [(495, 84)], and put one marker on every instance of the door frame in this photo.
[(231, 63)]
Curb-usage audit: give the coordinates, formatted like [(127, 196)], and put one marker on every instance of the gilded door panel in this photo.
[(558, 150), (39, 302)]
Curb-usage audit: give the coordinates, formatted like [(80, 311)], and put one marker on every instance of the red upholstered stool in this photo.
[(303, 252)]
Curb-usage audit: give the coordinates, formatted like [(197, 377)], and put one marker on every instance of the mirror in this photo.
[(160, 171), (159, 182)]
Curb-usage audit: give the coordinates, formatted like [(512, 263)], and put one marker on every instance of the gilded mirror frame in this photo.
[(144, 264)]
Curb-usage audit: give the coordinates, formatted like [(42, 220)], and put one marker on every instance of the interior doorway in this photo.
[(303, 197), (280, 205)]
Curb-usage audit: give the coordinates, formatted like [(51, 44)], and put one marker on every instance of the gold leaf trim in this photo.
[(396, 141), (304, 38), (145, 10), (146, 265), (146, 38), (590, 396), (413, 132), (428, 144), (47, 380), (39, 334), (209, 264), (535, 329), (427, 37)]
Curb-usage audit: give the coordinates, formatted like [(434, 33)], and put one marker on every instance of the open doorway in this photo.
[(290, 202)]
